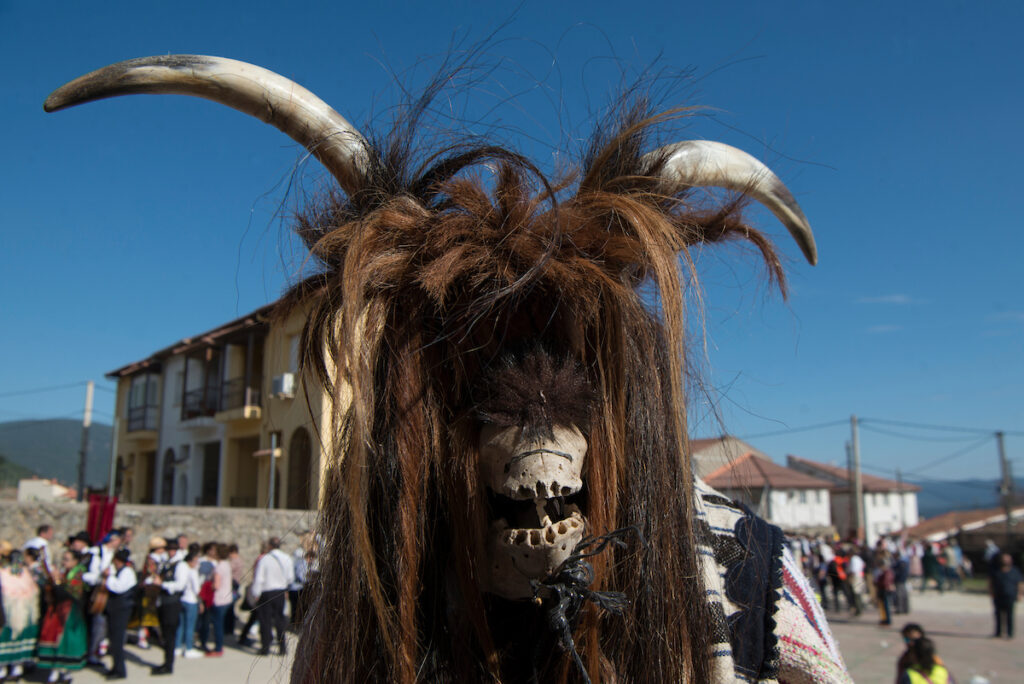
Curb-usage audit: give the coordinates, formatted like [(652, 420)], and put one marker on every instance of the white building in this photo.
[(889, 506), (794, 501), (38, 490)]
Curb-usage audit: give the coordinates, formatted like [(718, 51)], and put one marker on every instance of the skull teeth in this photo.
[(549, 534), (542, 515)]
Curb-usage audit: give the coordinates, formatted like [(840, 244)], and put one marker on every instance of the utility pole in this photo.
[(851, 503), (1006, 489), (83, 453), (899, 498), (858, 488)]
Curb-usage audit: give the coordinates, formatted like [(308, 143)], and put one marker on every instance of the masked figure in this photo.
[(509, 495)]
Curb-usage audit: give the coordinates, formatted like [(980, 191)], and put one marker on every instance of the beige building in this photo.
[(709, 454), (200, 421)]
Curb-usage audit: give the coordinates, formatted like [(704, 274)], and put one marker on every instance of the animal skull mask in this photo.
[(531, 478), (532, 457)]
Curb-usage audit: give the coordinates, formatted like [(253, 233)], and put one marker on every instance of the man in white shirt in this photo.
[(120, 579), (274, 573), (171, 577), (41, 542)]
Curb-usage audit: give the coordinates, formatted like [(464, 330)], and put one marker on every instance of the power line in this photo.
[(919, 438), (805, 428), (8, 428), (956, 454), (986, 485), (40, 390), (949, 428)]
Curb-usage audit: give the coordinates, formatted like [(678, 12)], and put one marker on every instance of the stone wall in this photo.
[(247, 527)]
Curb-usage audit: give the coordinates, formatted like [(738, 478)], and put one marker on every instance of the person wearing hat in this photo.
[(79, 542), (171, 578), (120, 580)]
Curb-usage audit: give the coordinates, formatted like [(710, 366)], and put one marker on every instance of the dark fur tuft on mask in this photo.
[(536, 391)]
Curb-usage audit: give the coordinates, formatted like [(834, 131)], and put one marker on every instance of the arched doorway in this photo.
[(167, 480), (299, 475)]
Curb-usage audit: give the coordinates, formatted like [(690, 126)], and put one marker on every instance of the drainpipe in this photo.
[(273, 467)]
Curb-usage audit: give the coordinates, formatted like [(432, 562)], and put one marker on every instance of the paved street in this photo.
[(961, 626), (235, 667)]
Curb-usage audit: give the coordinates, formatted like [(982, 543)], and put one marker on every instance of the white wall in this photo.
[(795, 508), (790, 509), (881, 513)]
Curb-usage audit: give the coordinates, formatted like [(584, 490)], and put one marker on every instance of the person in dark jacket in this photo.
[(1005, 588)]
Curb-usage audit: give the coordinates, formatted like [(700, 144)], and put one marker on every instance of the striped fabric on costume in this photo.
[(768, 628)]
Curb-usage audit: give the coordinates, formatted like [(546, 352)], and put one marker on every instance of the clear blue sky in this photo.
[(130, 223)]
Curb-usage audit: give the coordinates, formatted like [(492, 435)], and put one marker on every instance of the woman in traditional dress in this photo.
[(62, 638), (144, 617), (21, 615)]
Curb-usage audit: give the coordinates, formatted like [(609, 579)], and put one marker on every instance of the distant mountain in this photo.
[(49, 448), (941, 496), (11, 472)]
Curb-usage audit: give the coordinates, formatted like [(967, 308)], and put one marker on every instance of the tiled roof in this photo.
[(754, 472), (840, 477), (204, 339), (948, 523)]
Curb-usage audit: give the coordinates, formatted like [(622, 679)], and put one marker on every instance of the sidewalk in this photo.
[(961, 626), (237, 665)]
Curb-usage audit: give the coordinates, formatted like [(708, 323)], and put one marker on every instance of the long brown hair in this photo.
[(442, 263)]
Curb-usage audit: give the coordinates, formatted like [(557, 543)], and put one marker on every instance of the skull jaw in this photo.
[(518, 557)]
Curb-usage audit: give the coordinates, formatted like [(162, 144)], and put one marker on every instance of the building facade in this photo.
[(889, 506), (796, 502), (202, 421)]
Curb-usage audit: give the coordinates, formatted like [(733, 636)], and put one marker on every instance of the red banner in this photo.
[(101, 516)]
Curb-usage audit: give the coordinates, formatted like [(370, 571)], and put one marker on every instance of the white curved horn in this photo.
[(708, 163), (263, 94)]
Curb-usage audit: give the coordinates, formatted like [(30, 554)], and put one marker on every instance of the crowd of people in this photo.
[(851, 576), (67, 608), (75, 606)]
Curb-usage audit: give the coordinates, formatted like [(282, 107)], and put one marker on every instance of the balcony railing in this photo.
[(200, 402), (142, 418), (235, 394), (206, 401)]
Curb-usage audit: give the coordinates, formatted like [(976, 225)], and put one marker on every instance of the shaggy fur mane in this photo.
[(535, 391), (431, 275)]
